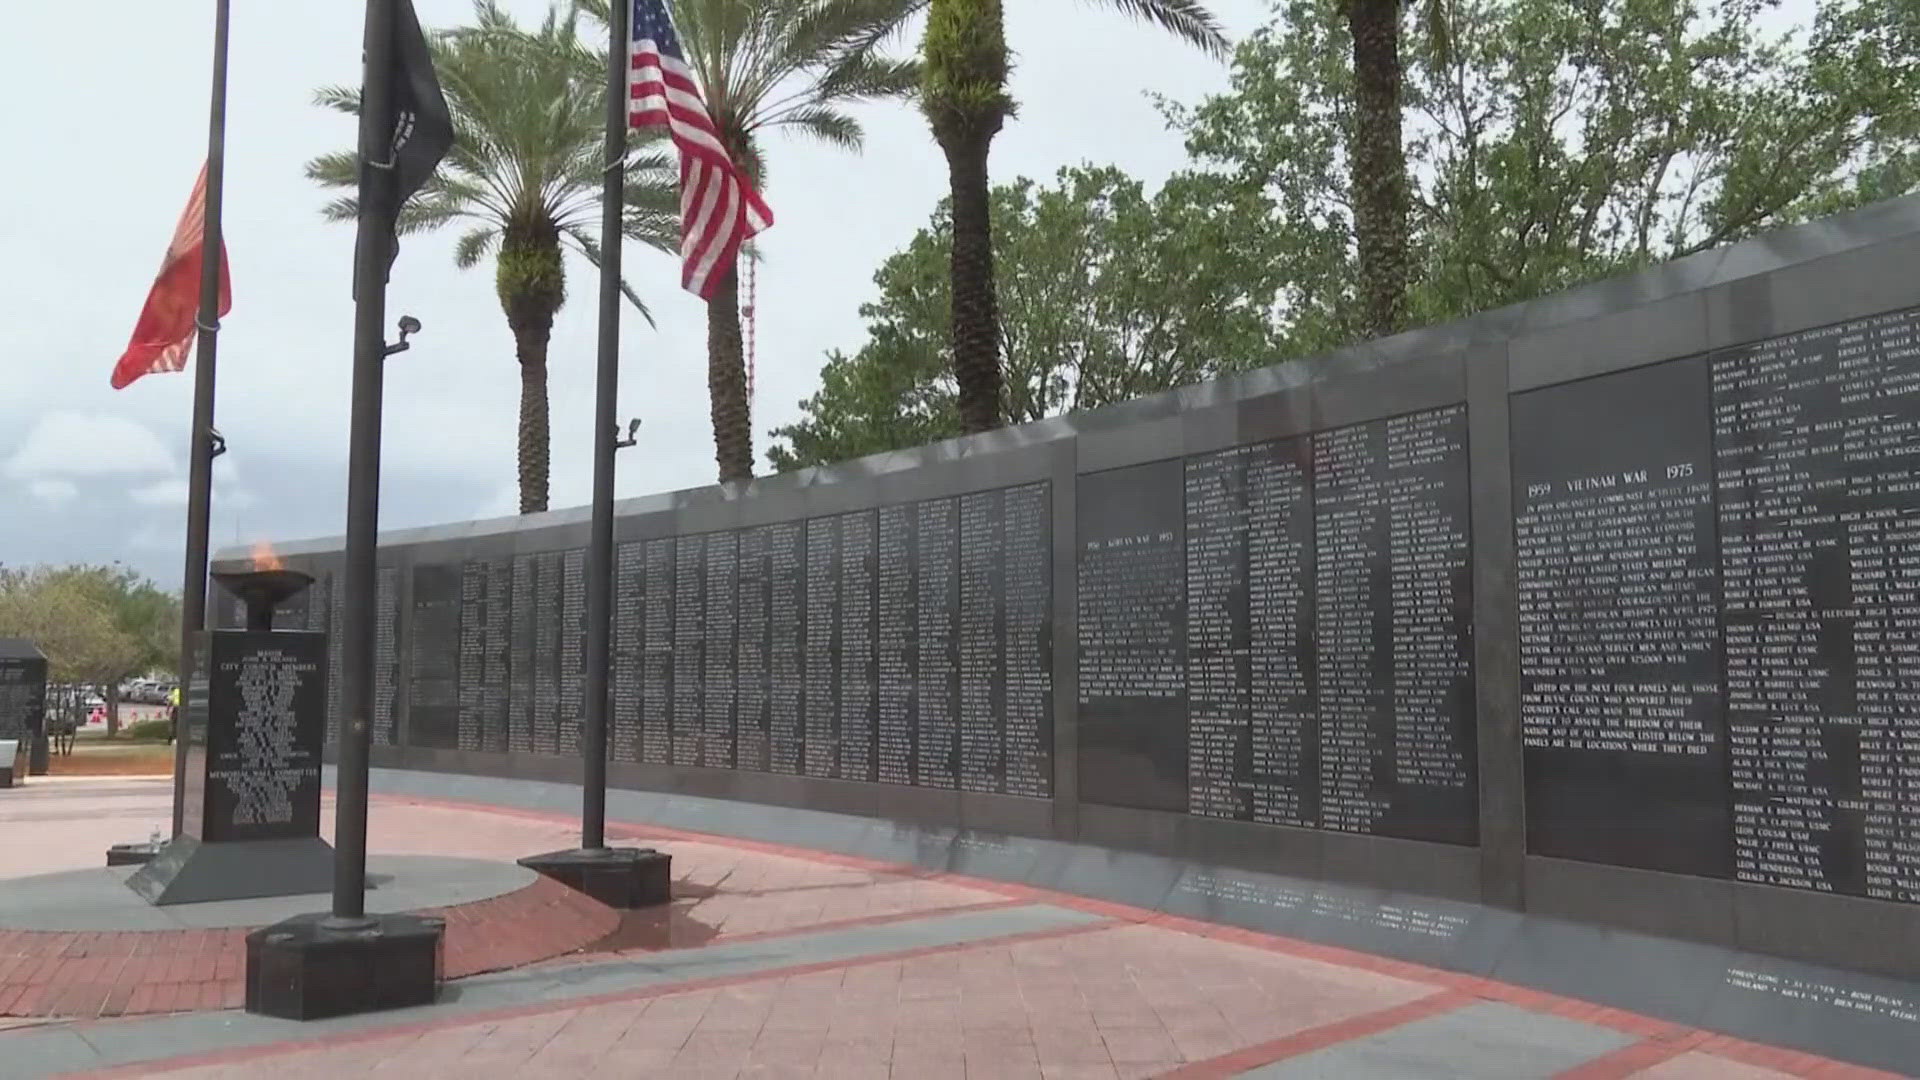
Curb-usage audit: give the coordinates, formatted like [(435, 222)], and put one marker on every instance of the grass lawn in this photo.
[(96, 755)]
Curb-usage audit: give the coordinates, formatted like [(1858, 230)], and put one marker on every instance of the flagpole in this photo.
[(593, 808), (372, 251), (193, 592)]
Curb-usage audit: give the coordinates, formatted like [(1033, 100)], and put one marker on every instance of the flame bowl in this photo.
[(263, 588)]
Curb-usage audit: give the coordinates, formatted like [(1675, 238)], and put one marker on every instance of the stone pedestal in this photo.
[(133, 854), (623, 878), (306, 969), (253, 716)]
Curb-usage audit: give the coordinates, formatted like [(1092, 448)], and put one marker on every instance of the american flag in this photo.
[(719, 210)]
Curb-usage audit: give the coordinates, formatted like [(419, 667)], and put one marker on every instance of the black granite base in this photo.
[(304, 969), (188, 870), (622, 878), (133, 854), (6, 774)]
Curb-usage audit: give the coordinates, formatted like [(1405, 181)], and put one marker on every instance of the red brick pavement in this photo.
[(1680, 1050), (165, 971), (1134, 994), (1106, 1000), (722, 892)]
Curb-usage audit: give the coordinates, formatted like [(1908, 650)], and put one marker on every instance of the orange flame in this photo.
[(265, 559)]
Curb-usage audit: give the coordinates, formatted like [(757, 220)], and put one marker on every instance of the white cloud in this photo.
[(53, 491), (66, 443), (171, 492)]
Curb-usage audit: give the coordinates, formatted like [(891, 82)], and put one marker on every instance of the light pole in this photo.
[(201, 452), (617, 877)]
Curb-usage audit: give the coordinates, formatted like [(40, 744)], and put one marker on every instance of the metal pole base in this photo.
[(304, 969)]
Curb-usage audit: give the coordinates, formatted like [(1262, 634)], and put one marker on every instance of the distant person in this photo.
[(173, 714)]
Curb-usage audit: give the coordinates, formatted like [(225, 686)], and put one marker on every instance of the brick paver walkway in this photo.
[(833, 967), (126, 974)]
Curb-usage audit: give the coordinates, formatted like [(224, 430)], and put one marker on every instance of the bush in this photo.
[(147, 729)]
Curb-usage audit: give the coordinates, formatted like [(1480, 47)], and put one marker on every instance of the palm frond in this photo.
[(335, 170), (528, 109), (844, 28), (344, 99), (789, 63), (864, 78), (1186, 19), (474, 246), (345, 208), (591, 249), (830, 126), (881, 22), (424, 215)]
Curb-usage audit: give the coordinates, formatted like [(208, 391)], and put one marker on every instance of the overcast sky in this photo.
[(106, 127)]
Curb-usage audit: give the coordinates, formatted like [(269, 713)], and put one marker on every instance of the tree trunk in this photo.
[(976, 312), (531, 345), (727, 381), (113, 709), (531, 284), (1379, 165)]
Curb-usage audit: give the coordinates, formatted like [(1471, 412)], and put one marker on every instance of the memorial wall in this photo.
[(1281, 633), (1516, 609), (908, 644), (1719, 578)]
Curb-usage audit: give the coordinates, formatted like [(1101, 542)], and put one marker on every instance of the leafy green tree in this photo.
[(147, 621), (767, 65), (964, 95), (98, 625), (1108, 294), (524, 175), (1551, 144), (1555, 143), (897, 391)]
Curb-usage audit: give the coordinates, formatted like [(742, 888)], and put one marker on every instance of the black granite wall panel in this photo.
[(1600, 605)]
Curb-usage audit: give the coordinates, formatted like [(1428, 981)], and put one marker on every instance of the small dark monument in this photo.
[(23, 705), (623, 878), (253, 715)]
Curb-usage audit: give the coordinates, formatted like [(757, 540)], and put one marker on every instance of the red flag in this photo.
[(164, 334)]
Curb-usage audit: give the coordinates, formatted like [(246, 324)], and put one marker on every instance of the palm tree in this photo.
[(1377, 159), (964, 94), (525, 175), (765, 65)]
